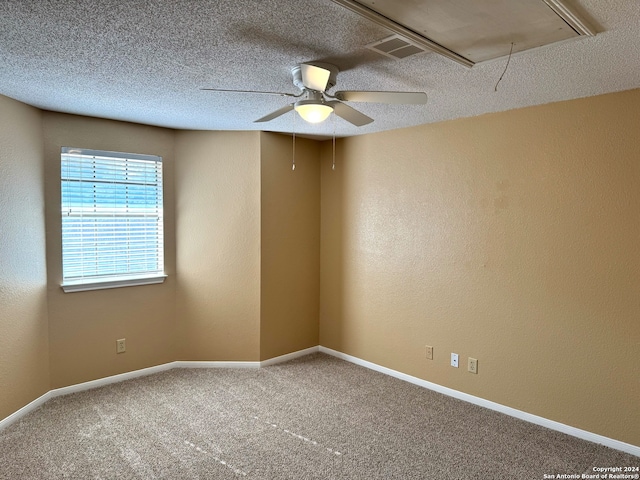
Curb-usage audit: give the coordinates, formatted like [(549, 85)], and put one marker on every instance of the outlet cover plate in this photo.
[(429, 352), (472, 366)]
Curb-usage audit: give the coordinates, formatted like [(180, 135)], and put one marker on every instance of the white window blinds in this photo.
[(112, 219)]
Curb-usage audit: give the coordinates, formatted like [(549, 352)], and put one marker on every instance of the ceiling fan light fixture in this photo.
[(313, 111)]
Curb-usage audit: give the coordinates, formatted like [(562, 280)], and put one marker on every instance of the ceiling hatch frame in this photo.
[(559, 7)]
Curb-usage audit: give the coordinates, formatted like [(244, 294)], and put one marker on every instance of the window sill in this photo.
[(113, 283)]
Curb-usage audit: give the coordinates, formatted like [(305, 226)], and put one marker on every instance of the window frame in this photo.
[(119, 279)]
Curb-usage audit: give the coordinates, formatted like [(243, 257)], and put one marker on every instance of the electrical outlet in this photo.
[(472, 365), (454, 360), (121, 345), (429, 352)]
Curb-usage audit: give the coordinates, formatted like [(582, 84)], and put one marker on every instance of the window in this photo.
[(112, 219)]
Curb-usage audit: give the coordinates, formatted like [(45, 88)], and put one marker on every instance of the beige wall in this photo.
[(24, 362), (511, 238), (84, 326), (290, 245), (218, 245)]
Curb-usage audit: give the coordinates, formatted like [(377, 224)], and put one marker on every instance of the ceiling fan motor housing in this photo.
[(296, 72)]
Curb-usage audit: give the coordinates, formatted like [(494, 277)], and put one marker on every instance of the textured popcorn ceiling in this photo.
[(146, 61)]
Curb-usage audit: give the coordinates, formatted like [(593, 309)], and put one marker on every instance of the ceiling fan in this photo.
[(315, 104)]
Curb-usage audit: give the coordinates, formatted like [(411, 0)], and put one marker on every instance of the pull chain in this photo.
[(333, 165), (293, 165)]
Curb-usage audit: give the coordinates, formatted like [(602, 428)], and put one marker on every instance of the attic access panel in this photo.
[(472, 31)]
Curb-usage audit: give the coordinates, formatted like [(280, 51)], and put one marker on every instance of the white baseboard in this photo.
[(14, 417), (289, 356), (189, 364), (79, 387), (528, 417), (57, 392), (30, 407)]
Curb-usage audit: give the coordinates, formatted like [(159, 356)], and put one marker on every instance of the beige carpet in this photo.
[(316, 417)]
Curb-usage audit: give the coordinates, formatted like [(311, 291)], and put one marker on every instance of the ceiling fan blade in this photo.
[(314, 78), (276, 114), (415, 98), (282, 94), (350, 114)]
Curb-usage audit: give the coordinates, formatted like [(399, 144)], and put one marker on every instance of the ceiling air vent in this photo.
[(396, 47)]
